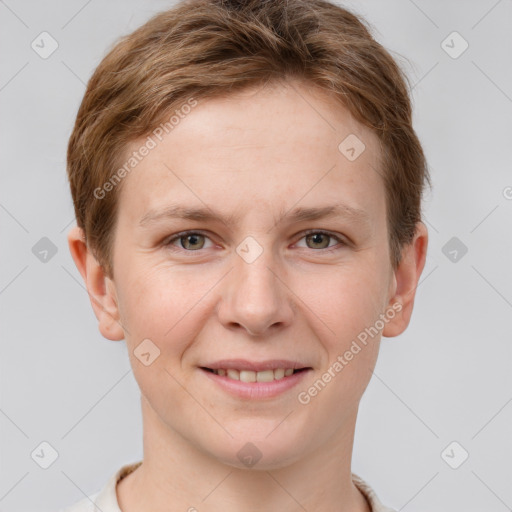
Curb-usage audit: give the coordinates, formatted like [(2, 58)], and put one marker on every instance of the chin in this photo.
[(258, 452)]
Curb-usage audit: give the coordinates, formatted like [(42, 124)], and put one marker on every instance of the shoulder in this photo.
[(105, 499), (370, 495)]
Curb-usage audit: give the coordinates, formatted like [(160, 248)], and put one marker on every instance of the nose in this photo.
[(255, 297)]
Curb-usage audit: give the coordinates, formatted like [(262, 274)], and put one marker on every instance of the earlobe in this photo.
[(406, 279), (100, 287)]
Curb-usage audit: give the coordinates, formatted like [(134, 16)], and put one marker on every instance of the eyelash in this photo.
[(183, 234)]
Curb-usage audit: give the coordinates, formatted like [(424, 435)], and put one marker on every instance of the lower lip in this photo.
[(256, 390)]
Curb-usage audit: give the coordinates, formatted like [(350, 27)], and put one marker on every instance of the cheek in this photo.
[(169, 308), (348, 305), (154, 302), (345, 299), (158, 313)]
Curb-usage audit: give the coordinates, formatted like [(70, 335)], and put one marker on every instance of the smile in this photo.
[(263, 381), (252, 376)]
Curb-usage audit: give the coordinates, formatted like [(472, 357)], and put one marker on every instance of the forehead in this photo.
[(267, 148)]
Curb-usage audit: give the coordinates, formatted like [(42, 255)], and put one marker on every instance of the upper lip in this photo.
[(255, 366)]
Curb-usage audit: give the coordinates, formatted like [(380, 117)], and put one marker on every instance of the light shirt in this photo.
[(106, 498)]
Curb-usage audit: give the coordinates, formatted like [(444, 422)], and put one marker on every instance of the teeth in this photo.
[(265, 376), (233, 374), (247, 376), (250, 376), (279, 373)]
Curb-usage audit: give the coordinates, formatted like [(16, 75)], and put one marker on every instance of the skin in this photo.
[(255, 154)]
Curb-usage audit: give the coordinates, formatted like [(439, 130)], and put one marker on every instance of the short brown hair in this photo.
[(208, 48)]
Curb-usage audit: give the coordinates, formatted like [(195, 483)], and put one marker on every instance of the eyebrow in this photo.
[(299, 214)]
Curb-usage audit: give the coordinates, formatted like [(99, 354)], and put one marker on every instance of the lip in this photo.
[(243, 364), (256, 390)]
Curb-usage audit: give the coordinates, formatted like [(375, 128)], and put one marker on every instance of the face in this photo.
[(261, 282)]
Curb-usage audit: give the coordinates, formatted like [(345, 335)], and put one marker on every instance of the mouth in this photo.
[(254, 376), (247, 380)]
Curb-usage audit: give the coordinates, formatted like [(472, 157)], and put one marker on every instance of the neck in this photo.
[(177, 476)]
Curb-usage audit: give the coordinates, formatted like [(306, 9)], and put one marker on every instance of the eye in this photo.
[(189, 240), (319, 239), (193, 241)]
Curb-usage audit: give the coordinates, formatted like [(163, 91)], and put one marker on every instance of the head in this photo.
[(260, 114)]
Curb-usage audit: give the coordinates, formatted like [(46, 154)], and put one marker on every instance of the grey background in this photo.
[(447, 378)]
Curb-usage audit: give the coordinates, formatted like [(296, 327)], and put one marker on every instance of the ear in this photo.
[(405, 282), (101, 289)]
